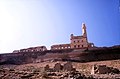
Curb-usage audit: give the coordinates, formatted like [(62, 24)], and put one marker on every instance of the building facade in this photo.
[(76, 41), (31, 49)]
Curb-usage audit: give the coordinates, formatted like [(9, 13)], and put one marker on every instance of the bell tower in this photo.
[(84, 32)]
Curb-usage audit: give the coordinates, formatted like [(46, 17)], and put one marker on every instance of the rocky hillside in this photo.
[(59, 70), (76, 55)]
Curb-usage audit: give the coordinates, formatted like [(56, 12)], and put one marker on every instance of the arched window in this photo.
[(74, 46), (82, 41), (82, 45)]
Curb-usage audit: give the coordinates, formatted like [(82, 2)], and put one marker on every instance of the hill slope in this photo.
[(76, 55)]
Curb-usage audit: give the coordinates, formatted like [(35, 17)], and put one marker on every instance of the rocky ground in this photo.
[(31, 72), (37, 71)]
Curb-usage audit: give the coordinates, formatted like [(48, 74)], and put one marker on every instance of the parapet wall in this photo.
[(60, 46)]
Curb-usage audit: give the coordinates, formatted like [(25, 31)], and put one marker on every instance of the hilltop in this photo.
[(74, 55)]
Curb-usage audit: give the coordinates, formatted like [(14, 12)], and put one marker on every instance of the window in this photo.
[(78, 46), (74, 41), (82, 45), (82, 41), (92, 45), (74, 46), (78, 41)]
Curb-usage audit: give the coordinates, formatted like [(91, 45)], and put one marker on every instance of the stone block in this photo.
[(68, 66), (58, 67)]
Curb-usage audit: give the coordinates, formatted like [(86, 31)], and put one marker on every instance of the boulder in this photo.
[(68, 66), (103, 69), (46, 67), (58, 67)]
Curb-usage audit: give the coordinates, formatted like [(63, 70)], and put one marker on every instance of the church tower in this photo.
[(84, 32)]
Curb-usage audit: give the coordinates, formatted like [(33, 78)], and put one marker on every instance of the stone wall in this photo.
[(60, 46), (31, 49), (103, 69), (58, 67)]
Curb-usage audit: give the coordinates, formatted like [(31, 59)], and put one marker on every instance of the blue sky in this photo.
[(29, 23)]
